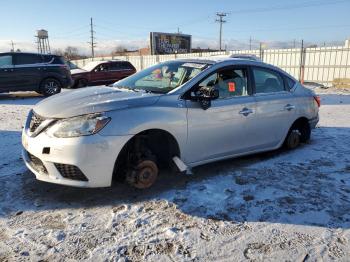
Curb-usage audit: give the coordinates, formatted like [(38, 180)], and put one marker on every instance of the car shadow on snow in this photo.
[(20, 98), (276, 187), (23, 98)]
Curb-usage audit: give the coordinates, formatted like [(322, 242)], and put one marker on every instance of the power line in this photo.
[(221, 21), (113, 31), (288, 6), (75, 36), (291, 29), (75, 30)]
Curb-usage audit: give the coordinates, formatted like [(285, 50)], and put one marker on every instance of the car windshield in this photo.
[(72, 65), (163, 77)]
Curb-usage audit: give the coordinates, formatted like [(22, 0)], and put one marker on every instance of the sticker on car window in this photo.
[(194, 65), (231, 87)]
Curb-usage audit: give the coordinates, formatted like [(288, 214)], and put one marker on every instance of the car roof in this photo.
[(106, 61), (224, 60), (26, 53)]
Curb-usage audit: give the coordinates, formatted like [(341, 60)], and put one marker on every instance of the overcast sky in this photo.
[(128, 23)]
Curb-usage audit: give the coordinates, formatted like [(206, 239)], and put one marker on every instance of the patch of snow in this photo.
[(271, 206)]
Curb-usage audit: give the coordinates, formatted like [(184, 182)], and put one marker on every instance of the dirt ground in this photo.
[(276, 206)]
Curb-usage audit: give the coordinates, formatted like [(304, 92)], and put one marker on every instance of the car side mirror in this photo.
[(204, 96)]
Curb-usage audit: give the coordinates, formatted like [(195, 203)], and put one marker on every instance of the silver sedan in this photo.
[(177, 114)]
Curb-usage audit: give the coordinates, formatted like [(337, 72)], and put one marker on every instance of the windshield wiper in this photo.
[(140, 90), (125, 87)]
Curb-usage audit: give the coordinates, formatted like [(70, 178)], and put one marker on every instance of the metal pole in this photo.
[(301, 65), (347, 60), (220, 38), (141, 62), (261, 52)]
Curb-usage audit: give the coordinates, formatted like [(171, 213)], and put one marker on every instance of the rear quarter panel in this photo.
[(306, 105)]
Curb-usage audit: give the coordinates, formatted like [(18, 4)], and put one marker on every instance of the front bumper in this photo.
[(94, 156)]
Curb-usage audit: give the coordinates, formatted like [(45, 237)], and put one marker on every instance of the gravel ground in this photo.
[(276, 206)]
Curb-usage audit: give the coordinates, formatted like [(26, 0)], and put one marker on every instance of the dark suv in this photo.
[(102, 73), (45, 74)]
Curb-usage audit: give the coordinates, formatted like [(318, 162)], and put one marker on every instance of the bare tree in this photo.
[(71, 52), (119, 50), (58, 52)]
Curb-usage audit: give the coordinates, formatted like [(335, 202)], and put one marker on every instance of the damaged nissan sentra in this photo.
[(177, 115)]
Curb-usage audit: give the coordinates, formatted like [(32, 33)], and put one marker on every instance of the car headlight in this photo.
[(78, 126)]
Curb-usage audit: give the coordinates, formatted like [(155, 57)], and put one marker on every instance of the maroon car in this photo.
[(101, 73)]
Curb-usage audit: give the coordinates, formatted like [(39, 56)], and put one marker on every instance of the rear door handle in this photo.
[(289, 107), (246, 111)]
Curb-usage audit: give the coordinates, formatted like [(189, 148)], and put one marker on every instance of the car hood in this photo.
[(77, 71), (92, 100)]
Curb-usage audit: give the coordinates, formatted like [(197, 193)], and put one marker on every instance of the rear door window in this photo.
[(290, 83), (48, 58), (126, 66), (27, 59), (267, 81), (59, 60), (114, 66), (5, 61)]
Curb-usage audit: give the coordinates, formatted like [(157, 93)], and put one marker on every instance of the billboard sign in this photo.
[(167, 43)]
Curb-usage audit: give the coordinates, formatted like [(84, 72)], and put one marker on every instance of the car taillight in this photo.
[(318, 100)]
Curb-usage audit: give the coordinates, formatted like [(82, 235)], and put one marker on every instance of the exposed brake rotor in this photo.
[(143, 175)]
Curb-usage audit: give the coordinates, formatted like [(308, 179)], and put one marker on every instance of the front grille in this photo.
[(35, 122), (36, 164), (71, 172)]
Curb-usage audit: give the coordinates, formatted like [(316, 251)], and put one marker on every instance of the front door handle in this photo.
[(289, 107), (246, 111)]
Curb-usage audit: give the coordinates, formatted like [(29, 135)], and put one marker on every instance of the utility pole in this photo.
[(250, 43), (221, 21), (92, 39), (13, 46), (261, 50)]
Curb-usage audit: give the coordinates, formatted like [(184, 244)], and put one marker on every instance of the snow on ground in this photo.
[(282, 205)]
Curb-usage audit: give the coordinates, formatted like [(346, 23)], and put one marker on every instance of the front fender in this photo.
[(131, 121)]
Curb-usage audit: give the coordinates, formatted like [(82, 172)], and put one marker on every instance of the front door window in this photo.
[(230, 82)]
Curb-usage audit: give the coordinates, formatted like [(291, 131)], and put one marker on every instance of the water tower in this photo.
[(43, 41)]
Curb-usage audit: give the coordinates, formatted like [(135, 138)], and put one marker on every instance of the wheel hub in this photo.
[(51, 87), (144, 175)]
